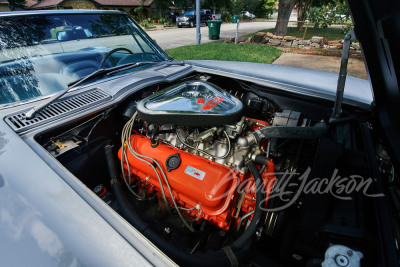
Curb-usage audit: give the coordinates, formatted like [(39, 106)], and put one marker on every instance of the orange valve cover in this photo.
[(195, 181)]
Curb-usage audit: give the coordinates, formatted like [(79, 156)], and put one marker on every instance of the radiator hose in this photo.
[(228, 256)]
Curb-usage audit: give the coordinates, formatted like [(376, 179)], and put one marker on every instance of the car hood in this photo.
[(377, 27), (309, 82)]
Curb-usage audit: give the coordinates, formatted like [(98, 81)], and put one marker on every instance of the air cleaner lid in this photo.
[(193, 103)]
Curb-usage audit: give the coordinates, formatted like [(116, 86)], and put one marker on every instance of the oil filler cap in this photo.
[(173, 162)]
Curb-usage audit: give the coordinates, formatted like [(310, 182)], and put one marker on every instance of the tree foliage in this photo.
[(267, 8), (303, 8), (161, 6), (184, 4), (331, 12), (323, 12), (217, 5), (260, 8)]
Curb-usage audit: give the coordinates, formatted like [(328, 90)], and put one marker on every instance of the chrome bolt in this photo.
[(350, 253)]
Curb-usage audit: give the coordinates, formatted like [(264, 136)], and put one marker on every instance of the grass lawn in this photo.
[(229, 52), (329, 33)]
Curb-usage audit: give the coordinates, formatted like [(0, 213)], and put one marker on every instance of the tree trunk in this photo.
[(303, 6), (284, 10), (300, 15)]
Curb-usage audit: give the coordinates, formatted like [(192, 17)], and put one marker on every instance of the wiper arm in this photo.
[(109, 71), (33, 111), (132, 65)]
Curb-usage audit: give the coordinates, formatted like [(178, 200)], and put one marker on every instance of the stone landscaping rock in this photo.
[(265, 41), (356, 45), (317, 40), (274, 42), (258, 38), (333, 42), (227, 41), (290, 38), (269, 34), (315, 45)]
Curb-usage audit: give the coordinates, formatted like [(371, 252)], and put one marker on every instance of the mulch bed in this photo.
[(320, 52)]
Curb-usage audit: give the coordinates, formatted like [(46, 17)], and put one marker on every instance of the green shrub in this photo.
[(226, 17)]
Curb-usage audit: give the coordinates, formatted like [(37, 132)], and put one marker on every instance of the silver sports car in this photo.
[(114, 154)]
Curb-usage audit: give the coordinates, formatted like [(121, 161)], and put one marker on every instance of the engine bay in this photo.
[(216, 171)]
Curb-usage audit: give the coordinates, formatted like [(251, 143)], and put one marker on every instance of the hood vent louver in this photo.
[(63, 107)]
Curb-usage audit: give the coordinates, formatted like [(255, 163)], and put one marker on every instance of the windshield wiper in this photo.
[(109, 71), (132, 65)]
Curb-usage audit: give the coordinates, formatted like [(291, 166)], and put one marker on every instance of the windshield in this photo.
[(42, 54)]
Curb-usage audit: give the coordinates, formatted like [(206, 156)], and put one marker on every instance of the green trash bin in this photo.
[(214, 28), (235, 18)]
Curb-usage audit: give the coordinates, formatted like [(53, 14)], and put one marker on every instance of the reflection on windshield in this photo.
[(41, 54)]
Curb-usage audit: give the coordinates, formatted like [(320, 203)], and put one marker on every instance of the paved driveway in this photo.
[(171, 38), (355, 66)]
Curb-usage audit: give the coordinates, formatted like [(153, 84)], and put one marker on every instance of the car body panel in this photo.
[(51, 185), (50, 218), (48, 223), (309, 82), (377, 29)]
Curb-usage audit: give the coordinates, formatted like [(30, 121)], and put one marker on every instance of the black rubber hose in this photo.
[(260, 159), (252, 228), (291, 132), (126, 208), (240, 247)]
